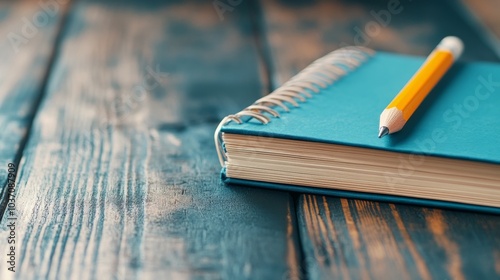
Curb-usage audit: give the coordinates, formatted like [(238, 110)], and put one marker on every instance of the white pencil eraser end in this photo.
[(452, 44)]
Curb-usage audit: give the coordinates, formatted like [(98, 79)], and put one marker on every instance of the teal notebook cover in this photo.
[(460, 118)]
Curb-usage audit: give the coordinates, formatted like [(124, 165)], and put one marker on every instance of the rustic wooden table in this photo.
[(108, 108)]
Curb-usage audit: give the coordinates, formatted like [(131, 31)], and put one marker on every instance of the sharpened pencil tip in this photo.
[(383, 131)]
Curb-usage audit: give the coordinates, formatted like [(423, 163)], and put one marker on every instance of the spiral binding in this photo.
[(318, 75)]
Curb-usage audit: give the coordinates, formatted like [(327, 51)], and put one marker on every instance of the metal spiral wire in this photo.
[(311, 80)]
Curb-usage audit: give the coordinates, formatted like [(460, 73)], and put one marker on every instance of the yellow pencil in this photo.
[(397, 113)]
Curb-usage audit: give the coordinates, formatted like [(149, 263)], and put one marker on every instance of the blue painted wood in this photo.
[(483, 17), (359, 239), (314, 28), (354, 239), (27, 35), (120, 178)]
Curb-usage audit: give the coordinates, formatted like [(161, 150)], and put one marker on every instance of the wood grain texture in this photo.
[(484, 14), (314, 28), (354, 239), (25, 53), (119, 179), (365, 240)]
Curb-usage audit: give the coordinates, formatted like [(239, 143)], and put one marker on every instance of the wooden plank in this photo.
[(27, 33), (486, 12), (484, 15), (120, 178), (362, 239), (314, 28)]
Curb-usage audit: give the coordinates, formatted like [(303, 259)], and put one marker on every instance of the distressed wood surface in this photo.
[(318, 27), (119, 176), (119, 179), (484, 15), (27, 36), (357, 239)]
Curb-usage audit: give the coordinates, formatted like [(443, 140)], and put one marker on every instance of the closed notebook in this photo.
[(318, 134)]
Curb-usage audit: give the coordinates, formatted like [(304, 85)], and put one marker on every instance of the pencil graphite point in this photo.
[(383, 131)]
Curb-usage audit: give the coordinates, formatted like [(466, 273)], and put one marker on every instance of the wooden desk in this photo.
[(108, 110)]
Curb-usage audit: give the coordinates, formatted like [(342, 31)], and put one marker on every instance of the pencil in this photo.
[(399, 111)]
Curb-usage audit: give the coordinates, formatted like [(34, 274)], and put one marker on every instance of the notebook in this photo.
[(317, 134)]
